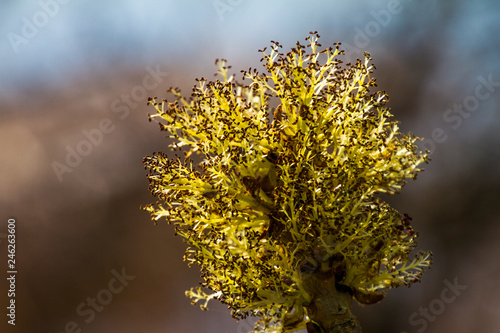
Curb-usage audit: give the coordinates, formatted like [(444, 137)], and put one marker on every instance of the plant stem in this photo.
[(329, 309)]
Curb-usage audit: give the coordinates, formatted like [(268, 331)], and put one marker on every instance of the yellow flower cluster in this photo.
[(285, 190)]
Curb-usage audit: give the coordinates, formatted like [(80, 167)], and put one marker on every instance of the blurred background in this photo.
[(74, 79)]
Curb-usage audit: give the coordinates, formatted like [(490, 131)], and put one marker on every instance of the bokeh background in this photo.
[(70, 70)]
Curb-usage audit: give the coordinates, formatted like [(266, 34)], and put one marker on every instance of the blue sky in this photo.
[(71, 36), (46, 40)]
